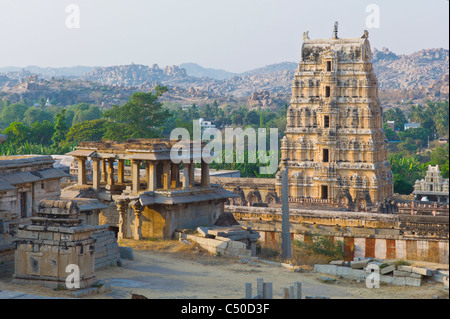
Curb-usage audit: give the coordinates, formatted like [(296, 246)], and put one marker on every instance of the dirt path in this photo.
[(168, 275)]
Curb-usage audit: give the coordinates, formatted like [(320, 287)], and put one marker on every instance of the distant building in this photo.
[(443, 140), (47, 103), (205, 124), (433, 187), (391, 125), (411, 125)]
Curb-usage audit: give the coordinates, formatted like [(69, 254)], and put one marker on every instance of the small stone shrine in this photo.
[(56, 239)]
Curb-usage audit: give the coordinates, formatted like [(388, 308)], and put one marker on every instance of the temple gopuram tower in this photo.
[(335, 144)]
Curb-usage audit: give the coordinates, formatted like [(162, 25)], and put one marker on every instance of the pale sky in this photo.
[(235, 35)]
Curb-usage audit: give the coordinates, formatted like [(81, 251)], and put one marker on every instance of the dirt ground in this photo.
[(169, 271)]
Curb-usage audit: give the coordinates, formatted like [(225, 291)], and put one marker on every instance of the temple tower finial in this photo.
[(335, 33)]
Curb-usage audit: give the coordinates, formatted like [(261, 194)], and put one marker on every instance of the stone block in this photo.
[(338, 263), (387, 270), (422, 271), (399, 273), (326, 269), (446, 282), (439, 278), (405, 268), (203, 231), (442, 272), (360, 264)]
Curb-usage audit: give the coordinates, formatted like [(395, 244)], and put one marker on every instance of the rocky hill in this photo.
[(415, 71), (421, 75), (197, 71)]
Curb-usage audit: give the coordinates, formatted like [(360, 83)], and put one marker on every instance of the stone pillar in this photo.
[(186, 182), (96, 173), (151, 176), (138, 209), (286, 249), (175, 175), (205, 175), (135, 178), (104, 172), (166, 175), (192, 175), (110, 180), (122, 206), (81, 170), (121, 172)]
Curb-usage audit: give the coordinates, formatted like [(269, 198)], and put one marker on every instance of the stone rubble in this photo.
[(360, 268)]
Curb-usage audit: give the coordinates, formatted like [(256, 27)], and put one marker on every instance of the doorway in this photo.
[(324, 192)]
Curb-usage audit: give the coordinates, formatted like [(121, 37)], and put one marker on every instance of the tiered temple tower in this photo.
[(335, 145)]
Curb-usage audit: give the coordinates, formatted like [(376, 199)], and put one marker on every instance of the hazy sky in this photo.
[(236, 35)]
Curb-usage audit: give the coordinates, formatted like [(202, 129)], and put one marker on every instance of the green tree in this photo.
[(142, 116), (18, 133), (86, 131), (33, 114), (406, 170), (59, 136), (41, 133), (13, 113), (396, 115)]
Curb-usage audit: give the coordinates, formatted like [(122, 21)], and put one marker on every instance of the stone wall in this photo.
[(106, 247), (424, 238)]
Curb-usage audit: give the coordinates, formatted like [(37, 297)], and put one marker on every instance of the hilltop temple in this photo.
[(335, 146)]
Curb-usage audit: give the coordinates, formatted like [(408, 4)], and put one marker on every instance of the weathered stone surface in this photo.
[(398, 273), (126, 253), (359, 264), (387, 270)]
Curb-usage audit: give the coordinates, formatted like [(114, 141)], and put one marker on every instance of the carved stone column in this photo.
[(110, 171), (122, 206), (121, 172), (138, 209), (81, 170), (135, 175), (96, 174)]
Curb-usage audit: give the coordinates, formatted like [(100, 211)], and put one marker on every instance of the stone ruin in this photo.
[(55, 239)]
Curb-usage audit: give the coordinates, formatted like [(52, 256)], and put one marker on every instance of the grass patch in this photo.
[(402, 263), (319, 250)]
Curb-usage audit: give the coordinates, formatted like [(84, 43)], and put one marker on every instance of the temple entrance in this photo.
[(324, 192), (153, 224)]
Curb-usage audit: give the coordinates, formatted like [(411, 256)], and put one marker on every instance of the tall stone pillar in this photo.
[(122, 206), (192, 174), (205, 180), (286, 249), (104, 171), (81, 170), (110, 180), (151, 176), (186, 182), (121, 172), (135, 178), (138, 209), (175, 175), (96, 173), (166, 175)]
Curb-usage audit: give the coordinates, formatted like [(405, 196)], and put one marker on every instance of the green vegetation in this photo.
[(321, 245), (418, 147), (57, 130)]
